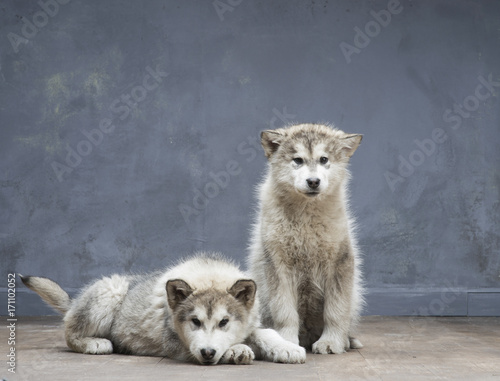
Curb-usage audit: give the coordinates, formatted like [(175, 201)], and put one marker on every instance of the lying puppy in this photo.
[(203, 310)]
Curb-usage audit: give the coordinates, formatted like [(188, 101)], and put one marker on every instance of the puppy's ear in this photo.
[(177, 292), (270, 140), (351, 143), (244, 291)]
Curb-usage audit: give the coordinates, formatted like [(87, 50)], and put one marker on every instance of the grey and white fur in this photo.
[(203, 310), (303, 252)]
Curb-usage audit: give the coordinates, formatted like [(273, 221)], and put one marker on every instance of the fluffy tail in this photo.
[(49, 291)]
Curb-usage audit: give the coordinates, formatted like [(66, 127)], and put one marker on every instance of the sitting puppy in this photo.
[(203, 310), (303, 253)]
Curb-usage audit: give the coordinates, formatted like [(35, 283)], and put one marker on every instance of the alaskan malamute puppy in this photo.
[(303, 253), (203, 310)]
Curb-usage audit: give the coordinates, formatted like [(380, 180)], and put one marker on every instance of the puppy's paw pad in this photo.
[(239, 354)]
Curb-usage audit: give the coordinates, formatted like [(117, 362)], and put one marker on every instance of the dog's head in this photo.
[(210, 321), (310, 159)]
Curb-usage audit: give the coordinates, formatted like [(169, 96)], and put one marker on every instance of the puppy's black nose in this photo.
[(208, 353), (313, 183)]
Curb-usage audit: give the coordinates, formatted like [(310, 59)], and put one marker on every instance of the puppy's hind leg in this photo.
[(88, 323), (79, 336), (89, 345)]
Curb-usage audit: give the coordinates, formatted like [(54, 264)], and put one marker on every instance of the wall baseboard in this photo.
[(433, 302)]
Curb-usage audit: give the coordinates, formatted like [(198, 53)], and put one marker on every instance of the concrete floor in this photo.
[(396, 348)]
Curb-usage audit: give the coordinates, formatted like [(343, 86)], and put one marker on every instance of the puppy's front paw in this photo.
[(331, 346), (98, 346), (239, 354), (289, 353)]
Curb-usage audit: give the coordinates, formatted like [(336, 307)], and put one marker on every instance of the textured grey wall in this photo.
[(129, 135)]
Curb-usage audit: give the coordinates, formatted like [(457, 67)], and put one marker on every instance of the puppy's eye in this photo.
[(196, 322), (298, 161), (223, 323), (323, 160)]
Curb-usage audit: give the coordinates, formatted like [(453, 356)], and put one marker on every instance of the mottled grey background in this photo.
[(176, 169)]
